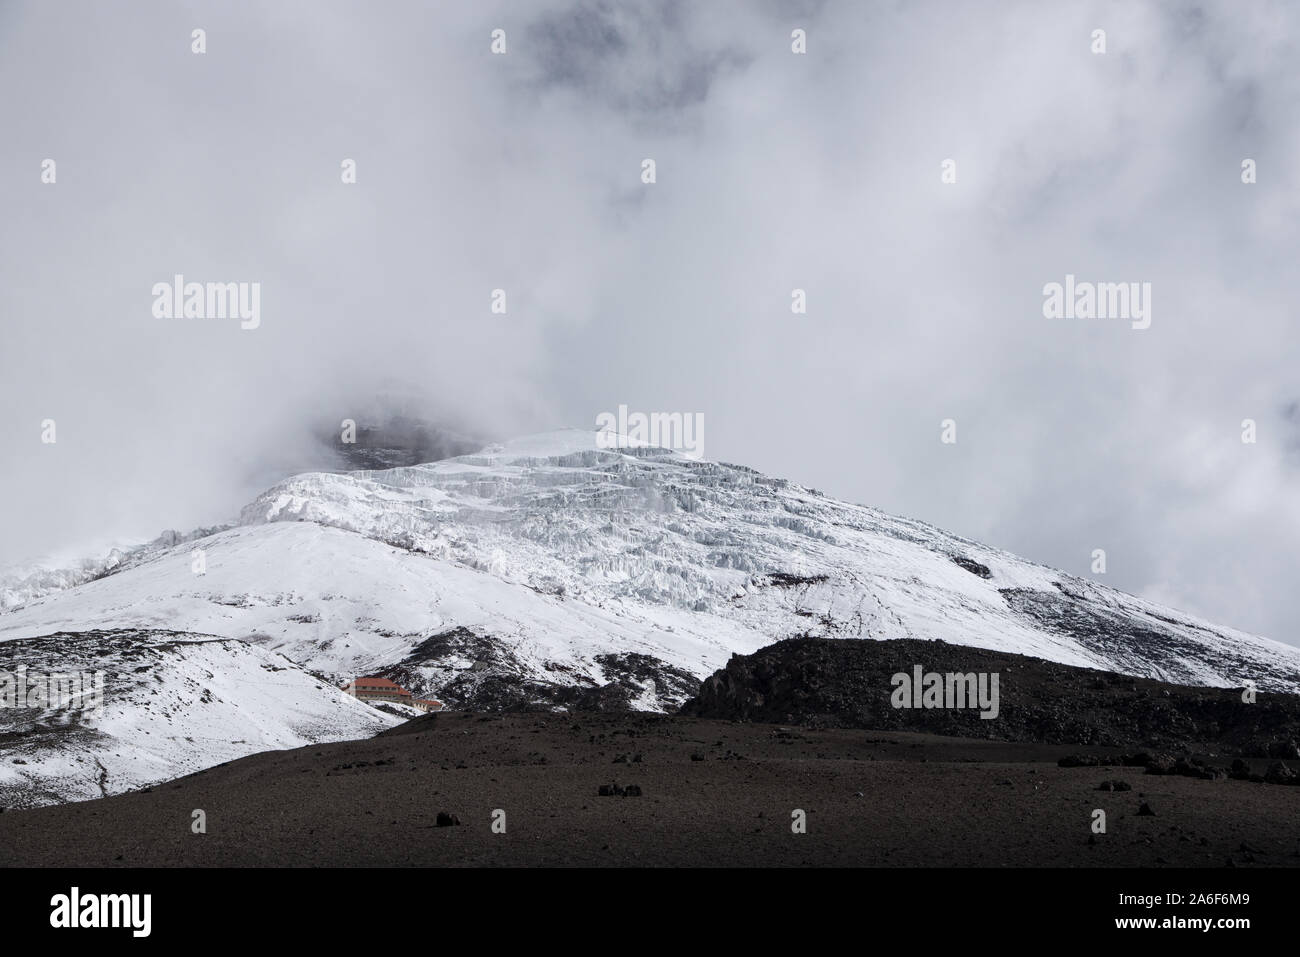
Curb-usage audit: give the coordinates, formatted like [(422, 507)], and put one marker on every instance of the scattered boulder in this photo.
[(1279, 773), (1078, 761), (447, 820), (1186, 767), (618, 790), (972, 566), (1154, 763)]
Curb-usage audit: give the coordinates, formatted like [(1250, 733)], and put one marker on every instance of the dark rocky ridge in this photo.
[(497, 680), (846, 683)]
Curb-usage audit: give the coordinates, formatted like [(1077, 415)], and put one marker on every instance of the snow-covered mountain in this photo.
[(554, 570), (172, 703)]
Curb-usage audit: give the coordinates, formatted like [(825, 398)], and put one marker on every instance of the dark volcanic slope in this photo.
[(846, 683), (712, 793), (719, 786)]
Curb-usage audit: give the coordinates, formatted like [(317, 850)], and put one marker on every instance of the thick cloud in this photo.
[(774, 172)]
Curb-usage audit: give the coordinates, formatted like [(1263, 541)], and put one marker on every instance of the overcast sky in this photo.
[(775, 171)]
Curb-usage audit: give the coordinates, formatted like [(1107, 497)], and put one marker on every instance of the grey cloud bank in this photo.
[(774, 172)]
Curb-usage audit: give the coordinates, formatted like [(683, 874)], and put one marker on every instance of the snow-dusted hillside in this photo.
[(172, 703), (556, 571), (344, 604)]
